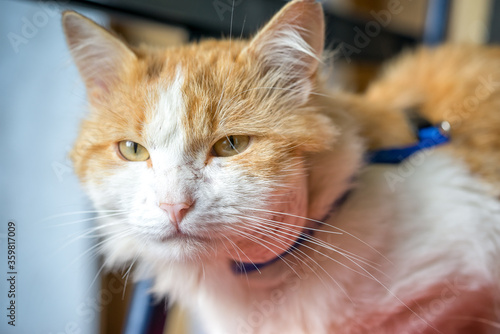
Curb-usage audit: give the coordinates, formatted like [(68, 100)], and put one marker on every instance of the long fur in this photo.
[(414, 249)]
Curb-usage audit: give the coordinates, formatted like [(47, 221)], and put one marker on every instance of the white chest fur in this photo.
[(415, 239)]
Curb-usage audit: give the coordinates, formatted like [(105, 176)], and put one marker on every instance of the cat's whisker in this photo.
[(242, 216), (243, 26), (283, 186), (283, 225), (348, 255), (89, 230), (369, 275), (289, 226), (102, 242), (97, 275), (93, 256), (283, 235), (301, 260), (79, 213), (257, 241), (86, 219), (236, 248), (231, 26), (202, 267), (293, 172), (127, 274), (399, 300), (315, 262), (322, 223), (228, 252), (88, 234), (232, 65), (300, 162)]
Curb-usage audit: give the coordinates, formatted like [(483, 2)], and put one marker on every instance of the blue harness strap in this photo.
[(428, 137)]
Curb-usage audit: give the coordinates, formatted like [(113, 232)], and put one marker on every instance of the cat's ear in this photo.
[(100, 57), (293, 40)]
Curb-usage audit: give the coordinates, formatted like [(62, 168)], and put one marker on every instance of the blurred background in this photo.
[(60, 287)]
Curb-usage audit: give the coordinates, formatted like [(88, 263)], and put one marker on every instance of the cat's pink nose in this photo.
[(175, 212)]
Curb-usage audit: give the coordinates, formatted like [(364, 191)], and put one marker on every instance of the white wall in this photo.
[(41, 103)]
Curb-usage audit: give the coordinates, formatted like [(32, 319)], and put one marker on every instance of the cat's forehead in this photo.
[(190, 97), (163, 126), (198, 96)]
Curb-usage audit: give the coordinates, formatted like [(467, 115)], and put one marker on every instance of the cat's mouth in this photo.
[(183, 236)]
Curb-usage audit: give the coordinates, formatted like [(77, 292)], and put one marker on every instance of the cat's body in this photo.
[(437, 271), (414, 247)]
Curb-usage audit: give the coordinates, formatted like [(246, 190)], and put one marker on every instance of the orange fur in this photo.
[(455, 83)]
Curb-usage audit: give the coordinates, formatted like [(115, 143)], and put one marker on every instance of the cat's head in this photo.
[(202, 148)]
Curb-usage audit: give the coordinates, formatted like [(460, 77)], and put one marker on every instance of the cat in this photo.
[(240, 184)]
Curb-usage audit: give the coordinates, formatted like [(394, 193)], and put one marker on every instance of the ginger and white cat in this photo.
[(224, 152)]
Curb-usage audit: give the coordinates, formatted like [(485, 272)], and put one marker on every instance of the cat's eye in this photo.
[(230, 145), (133, 151)]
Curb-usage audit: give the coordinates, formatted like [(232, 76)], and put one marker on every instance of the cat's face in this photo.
[(201, 149)]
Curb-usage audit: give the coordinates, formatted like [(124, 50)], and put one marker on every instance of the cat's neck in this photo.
[(363, 125)]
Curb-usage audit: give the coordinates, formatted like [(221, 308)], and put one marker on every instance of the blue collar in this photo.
[(428, 137)]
